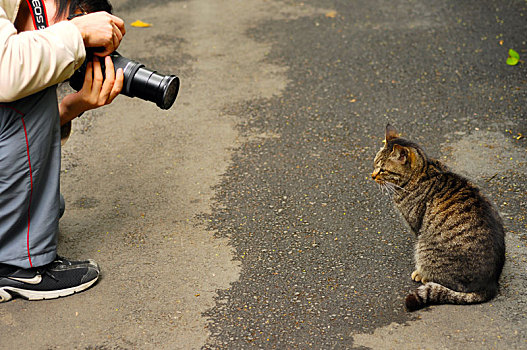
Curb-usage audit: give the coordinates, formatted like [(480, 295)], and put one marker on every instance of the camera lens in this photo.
[(151, 86), (145, 83), (138, 81), (170, 90)]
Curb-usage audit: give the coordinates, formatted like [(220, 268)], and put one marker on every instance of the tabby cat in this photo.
[(460, 248)]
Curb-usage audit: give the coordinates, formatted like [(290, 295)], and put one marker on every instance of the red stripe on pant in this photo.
[(30, 193)]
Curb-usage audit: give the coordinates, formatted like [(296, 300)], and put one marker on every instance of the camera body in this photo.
[(139, 81)]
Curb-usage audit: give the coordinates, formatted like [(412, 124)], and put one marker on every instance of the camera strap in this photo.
[(38, 12)]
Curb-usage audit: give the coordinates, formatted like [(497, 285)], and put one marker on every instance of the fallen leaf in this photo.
[(331, 14), (513, 58), (140, 24)]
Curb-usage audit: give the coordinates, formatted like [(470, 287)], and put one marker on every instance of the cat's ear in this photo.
[(400, 154), (391, 133)]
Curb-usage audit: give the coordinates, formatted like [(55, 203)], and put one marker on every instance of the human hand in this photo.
[(100, 29), (97, 90)]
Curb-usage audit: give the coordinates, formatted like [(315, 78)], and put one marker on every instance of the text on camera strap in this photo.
[(38, 12)]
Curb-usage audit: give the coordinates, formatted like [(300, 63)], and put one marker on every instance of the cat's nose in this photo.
[(375, 173)]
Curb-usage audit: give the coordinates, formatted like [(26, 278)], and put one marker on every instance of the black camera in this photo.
[(138, 81)]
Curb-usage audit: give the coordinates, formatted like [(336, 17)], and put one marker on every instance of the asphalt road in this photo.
[(245, 217)]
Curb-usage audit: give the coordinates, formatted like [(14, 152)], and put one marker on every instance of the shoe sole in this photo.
[(6, 293)]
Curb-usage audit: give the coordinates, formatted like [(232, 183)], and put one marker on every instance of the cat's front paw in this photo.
[(416, 276)]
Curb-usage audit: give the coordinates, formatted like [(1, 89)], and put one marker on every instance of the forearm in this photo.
[(70, 109)]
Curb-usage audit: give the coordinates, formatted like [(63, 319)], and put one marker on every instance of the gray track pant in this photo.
[(29, 179)]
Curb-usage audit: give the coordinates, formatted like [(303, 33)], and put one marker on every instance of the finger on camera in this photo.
[(109, 79), (110, 46), (119, 23), (117, 32), (109, 70), (88, 76), (97, 72), (119, 81), (117, 86)]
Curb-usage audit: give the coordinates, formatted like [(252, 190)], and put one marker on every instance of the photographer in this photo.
[(42, 42)]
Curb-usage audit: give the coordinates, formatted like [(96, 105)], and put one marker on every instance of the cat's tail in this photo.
[(434, 293)]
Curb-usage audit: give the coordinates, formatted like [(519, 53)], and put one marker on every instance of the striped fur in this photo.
[(460, 248), (434, 293)]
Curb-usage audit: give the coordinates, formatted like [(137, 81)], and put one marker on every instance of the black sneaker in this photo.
[(57, 279)]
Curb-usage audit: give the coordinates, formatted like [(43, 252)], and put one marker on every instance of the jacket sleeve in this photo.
[(34, 60)]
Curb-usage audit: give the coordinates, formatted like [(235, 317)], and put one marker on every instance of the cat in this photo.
[(460, 248)]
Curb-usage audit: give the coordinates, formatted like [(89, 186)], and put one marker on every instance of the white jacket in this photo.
[(34, 60)]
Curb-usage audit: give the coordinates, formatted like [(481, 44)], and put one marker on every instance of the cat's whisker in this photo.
[(394, 188), (388, 190), (399, 187), (388, 187), (381, 187)]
